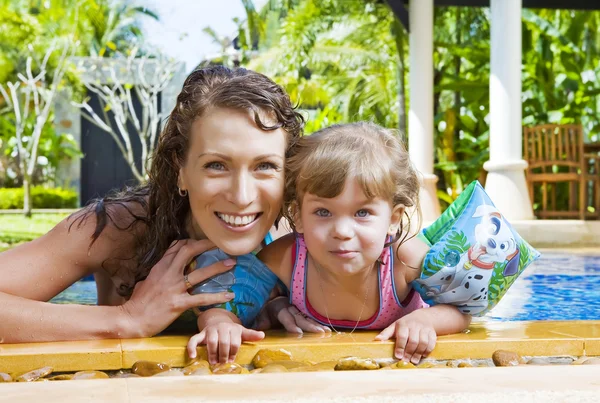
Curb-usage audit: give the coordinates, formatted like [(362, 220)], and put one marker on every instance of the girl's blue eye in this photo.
[(362, 213), (217, 166), (322, 212)]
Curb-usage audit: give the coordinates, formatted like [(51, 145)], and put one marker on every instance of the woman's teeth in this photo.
[(237, 221)]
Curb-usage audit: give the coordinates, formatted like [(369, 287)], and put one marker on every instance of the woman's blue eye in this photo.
[(362, 213), (322, 212), (265, 166), (218, 166)]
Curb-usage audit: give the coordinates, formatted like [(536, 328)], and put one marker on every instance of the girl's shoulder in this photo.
[(408, 258), (278, 256)]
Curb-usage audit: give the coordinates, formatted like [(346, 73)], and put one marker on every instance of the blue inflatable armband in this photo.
[(475, 255), (249, 279)]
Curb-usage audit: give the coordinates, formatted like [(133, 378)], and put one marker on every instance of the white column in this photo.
[(420, 115), (506, 176)]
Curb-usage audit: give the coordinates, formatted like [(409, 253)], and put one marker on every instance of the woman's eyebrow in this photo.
[(267, 156), (228, 158)]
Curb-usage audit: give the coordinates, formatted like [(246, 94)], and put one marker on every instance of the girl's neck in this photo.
[(355, 283)]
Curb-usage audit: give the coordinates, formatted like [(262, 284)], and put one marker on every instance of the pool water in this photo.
[(558, 286)]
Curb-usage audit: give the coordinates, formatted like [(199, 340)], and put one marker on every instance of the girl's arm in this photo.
[(416, 333), (33, 273), (277, 256)]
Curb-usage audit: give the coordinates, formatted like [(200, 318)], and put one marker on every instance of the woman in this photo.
[(216, 179)]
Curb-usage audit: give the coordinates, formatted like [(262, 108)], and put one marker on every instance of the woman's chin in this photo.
[(239, 247)]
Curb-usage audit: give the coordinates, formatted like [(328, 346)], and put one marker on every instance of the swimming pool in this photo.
[(558, 286)]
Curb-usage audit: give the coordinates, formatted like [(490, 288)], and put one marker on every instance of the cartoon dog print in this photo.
[(466, 284)]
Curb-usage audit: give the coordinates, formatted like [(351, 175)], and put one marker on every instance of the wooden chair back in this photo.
[(547, 146)]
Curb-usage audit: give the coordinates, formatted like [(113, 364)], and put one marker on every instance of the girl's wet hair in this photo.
[(374, 156), (156, 205)]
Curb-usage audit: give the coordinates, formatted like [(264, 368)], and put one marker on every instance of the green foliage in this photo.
[(12, 198), (348, 60), (15, 228), (457, 242), (444, 223)]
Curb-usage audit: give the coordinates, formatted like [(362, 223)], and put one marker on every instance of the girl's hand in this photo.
[(279, 310), (163, 296), (415, 339), (222, 341)]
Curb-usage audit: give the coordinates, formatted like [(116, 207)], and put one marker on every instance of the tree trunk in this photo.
[(27, 195), (399, 37)]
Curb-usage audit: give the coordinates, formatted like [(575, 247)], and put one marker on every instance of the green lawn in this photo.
[(16, 229)]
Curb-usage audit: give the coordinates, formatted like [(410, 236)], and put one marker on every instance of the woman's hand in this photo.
[(163, 296), (415, 338), (222, 341), (280, 311)]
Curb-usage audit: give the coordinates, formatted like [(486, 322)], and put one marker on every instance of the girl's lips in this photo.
[(345, 254)]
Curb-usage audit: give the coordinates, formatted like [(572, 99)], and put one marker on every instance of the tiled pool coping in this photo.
[(524, 383), (539, 338)]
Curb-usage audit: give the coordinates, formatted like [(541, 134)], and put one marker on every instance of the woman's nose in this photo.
[(243, 190)]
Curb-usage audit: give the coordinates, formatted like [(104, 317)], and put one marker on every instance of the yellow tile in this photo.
[(62, 356), (167, 349), (592, 347)]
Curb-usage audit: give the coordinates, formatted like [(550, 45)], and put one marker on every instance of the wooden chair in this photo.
[(555, 155), (592, 183)]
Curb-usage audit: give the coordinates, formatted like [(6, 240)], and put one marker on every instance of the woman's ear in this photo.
[(180, 180), (396, 219)]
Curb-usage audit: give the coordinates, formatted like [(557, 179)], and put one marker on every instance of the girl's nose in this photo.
[(343, 229)]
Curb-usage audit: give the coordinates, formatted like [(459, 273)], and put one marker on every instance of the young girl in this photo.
[(350, 261)]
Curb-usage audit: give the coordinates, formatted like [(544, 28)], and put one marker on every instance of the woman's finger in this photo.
[(170, 254), (194, 342), (196, 300), (188, 251), (198, 276)]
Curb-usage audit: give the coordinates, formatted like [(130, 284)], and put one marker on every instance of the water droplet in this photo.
[(452, 258)]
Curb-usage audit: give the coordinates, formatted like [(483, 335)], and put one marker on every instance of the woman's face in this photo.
[(234, 177)]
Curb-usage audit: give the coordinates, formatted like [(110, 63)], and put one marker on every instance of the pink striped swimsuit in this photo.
[(390, 308)]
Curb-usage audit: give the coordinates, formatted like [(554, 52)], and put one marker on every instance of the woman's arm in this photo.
[(35, 272)]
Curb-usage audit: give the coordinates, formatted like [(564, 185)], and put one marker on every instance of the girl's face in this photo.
[(234, 177), (346, 234)]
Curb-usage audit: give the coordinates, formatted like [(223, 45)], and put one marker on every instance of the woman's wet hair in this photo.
[(154, 212)]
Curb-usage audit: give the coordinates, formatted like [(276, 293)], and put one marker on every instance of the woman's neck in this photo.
[(192, 228)]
